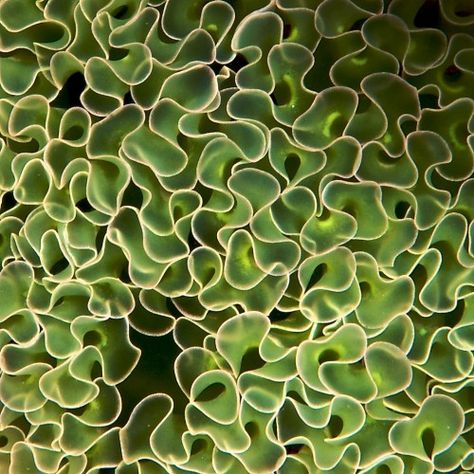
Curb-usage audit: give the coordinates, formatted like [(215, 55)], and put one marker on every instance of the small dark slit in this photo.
[(428, 440), (293, 448), (335, 426), (116, 54), (128, 99), (92, 338), (292, 165), (192, 242), (276, 315), (215, 67), (120, 12), (463, 13), (401, 209), (251, 360), (328, 355), (171, 307), (132, 196), (318, 273), (96, 370), (59, 266), (74, 133), (452, 73), (287, 30), (383, 469), (237, 63), (357, 25), (124, 276), (31, 146), (198, 446), (364, 288), (3, 441), (211, 392), (84, 205), (252, 429), (99, 238)]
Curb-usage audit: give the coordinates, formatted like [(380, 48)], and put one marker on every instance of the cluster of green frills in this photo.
[(236, 236)]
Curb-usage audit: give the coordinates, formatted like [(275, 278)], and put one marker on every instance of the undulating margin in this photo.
[(236, 236)]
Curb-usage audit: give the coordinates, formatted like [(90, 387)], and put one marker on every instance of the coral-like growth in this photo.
[(236, 236)]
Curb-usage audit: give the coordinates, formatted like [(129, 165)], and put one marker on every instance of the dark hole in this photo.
[(128, 99), (335, 426), (453, 317), (383, 469), (281, 95), (59, 266), (252, 429), (106, 470), (364, 288), (428, 101), (120, 12), (8, 201), (100, 236), (3, 441), (92, 338), (116, 54), (276, 315), (198, 446), (401, 209), (69, 95), (84, 205), (192, 242), (59, 302), (30, 146), (74, 133), (292, 165), (428, 16), (215, 67), (296, 397), (251, 360), (154, 373), (183, 141), (96, 370), (318, 273), (428, 440), (237, 63), (328, 355), (211, 393), (124, 276), (363, 104), (174, 311), (132, 196), (177, 213), (287, 30), (419, 276), (293, 448), (452, 73), (357, 25), (408, 126), (463, 13)]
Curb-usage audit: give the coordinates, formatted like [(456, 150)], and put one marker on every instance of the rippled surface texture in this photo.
[(236, 236)]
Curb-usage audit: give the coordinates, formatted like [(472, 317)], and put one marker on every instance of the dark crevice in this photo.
[(84, 205), (428, 101), (364, 288), (215, 67), (328, 355), (452, 73), (463, 13), (96, 370), (408, 126), (74, 133), (59, 266), (251, 360), (92, 338), (429, 15), (30, 146), (357, 25), (154, 373), (453, 317), (69, 95), (401, 209), (318, 273), (192, 242), (198, 446), (8, 201), (335, 426), (276, 315), (116, 54), (293, 448), (124, 276), (428, 440), (211, 392), (132, 196), (100, 236), (281, 95), (173, 310), (292, 165), (237, 63), (383, 469), (3, 441), (252, 429), (128, 99), (287, 30), (121, 12)]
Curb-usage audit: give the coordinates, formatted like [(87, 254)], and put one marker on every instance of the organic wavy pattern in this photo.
[(236, 236)]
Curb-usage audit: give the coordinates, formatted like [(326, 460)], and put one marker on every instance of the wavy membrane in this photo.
[(236, 236)]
